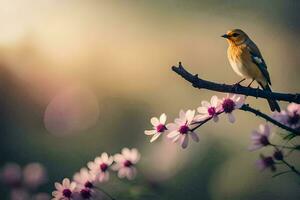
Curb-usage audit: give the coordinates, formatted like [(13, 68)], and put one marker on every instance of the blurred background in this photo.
[(78, 78)]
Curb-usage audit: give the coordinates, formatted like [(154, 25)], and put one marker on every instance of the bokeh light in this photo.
[(73, 110)]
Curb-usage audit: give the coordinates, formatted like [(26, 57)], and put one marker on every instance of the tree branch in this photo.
[(246, 107), (236, 89)]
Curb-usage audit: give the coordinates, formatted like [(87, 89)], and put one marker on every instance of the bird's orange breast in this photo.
[(241, 62)]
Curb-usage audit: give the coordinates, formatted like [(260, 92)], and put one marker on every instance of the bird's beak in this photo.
[(225, 36)]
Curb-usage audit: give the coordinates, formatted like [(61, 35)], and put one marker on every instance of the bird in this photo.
[(246, 60)]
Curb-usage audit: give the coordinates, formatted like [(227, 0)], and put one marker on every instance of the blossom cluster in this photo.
[(24, 182), (185, 125), (84, 183), (261, 137)]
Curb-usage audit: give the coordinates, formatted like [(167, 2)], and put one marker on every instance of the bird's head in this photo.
[(235, 36)]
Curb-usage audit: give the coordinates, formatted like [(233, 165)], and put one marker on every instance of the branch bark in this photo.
[(247, 108), (236, 89)]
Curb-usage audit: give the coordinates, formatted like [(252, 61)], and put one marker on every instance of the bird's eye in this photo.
[(235, 34)]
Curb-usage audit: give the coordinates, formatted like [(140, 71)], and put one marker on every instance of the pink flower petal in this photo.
[(205, 104), (72, 186), (202, 117), (172, 126), (173, 134), (135, 156), (182, 114), (66, 182), (190, 115), (126, 153), (184, 141), (293, 107), (122, 172), (58, 186), (119, 158), (202, 110), (215, 118), (194, 136), (175, 139), (104, 157), (180, 121), (214, 101), (254, 147), (150, 132), (103, 177), (255, 135), (131, 173), (163, 118), (154, 121), (265, 129), (231, 118), (155, 137)]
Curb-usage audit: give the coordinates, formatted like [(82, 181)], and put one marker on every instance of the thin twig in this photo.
[(247, 108), (281, 173), (291, 167), (201, 123), (236, 89), (282, 146)]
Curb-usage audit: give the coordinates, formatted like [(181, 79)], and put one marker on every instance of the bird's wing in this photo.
[(258, 60)]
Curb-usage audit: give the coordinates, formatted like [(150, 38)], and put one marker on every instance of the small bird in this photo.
[(247, 61)]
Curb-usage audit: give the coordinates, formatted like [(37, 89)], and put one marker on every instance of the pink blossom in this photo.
[(158, 127), (289, 117), (260, 138), (125, 163), (84, 178), (83, 193), (100, 167), (181, 129), (266, 162), (209, 109), (294, 108), (64, 191), (230, 103)]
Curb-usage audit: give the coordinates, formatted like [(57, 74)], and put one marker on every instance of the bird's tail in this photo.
[(272, 103)]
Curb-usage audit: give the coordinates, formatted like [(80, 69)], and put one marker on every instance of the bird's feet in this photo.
[(237, 84), (250, 83)]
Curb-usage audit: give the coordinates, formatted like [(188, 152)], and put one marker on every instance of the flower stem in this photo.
[(291, 167), (200, 124), (106, 193), (282, 146), (247, 108), (281, 173)]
